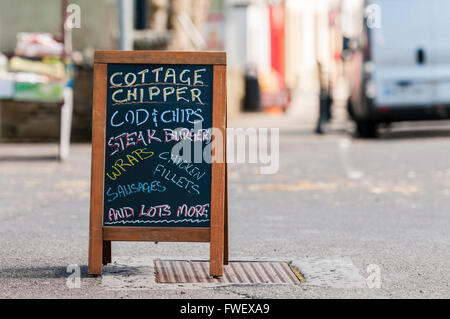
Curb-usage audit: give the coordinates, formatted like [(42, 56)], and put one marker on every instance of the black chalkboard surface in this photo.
[(149, 110)]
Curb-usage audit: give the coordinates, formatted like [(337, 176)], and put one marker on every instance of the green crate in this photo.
[(45, 92)]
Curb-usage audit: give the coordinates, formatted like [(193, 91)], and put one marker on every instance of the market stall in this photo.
[(41, 70)]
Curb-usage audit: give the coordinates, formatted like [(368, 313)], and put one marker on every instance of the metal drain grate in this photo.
[(248, 272)]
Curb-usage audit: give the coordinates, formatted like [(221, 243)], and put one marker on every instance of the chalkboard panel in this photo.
[(149, 109)]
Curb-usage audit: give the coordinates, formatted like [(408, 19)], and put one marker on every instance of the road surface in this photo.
[(358, 218)]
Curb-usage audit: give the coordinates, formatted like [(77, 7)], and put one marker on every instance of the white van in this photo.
[(399, 62)]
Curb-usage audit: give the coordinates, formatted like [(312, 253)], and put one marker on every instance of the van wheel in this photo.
[(366, 129)]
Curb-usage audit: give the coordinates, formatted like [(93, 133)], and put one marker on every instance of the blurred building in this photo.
[(283, 42), (148, 24), (312, 35), (278, 42)]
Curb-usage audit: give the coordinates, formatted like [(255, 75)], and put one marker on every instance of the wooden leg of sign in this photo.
[(97, 171), (106, 252), (225, 235), (217, 246), (95, 253), (217, 234), (218, 171), (225, 240)]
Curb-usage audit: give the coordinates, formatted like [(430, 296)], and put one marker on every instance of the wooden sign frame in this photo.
[(100, 237)]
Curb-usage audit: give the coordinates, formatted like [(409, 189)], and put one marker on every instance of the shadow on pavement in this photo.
[(41, 272), (29, 158), (408, 134), (310, 131)]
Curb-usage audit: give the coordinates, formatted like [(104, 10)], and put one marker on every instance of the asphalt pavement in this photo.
[(358, 218)]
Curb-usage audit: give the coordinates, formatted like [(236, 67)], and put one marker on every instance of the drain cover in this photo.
[(239, 272)]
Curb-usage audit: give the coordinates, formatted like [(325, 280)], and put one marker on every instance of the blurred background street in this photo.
[(364, 173), (374, 202)]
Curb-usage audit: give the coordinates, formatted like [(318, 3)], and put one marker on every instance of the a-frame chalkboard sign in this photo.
[(158, 152)]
